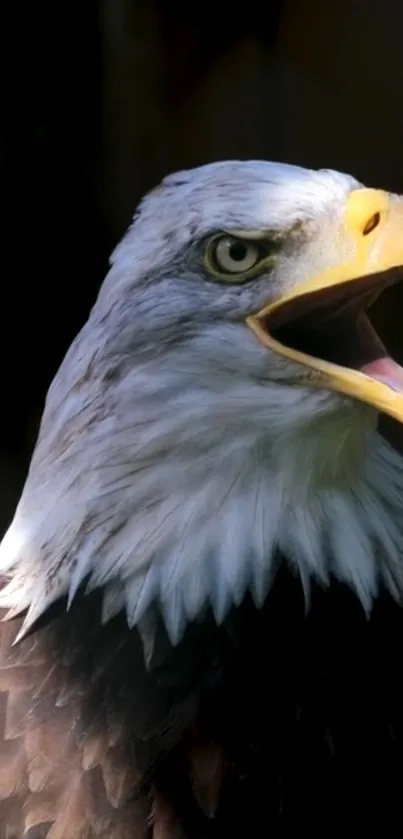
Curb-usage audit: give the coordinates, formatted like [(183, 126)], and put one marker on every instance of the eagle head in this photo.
[(219, 408)]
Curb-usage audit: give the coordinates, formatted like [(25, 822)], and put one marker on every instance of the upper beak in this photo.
[(373, 222)]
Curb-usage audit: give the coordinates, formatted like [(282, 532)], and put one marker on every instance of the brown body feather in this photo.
[(275, 720)]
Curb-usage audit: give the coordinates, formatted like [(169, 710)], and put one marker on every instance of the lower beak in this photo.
[(373, 223)]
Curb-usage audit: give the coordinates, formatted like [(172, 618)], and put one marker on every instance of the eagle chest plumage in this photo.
[(270, 722), (200, 592)]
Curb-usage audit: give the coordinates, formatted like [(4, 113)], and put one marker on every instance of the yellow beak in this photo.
[(373, 223)]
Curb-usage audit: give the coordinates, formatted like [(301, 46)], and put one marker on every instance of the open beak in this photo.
[(322, 323)]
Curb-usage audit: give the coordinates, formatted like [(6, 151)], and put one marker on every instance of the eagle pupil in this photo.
[(238, 251)]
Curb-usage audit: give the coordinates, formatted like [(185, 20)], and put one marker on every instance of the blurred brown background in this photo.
[(100, 99)]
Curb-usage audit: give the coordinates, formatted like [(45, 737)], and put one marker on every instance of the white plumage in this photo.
[(176, 455)]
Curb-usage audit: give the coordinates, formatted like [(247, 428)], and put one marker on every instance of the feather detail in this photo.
[(118, 775), (41, 808), (64, 768), (207, 774), (18, 710), (165, 822), (113, 601), (13, 775)]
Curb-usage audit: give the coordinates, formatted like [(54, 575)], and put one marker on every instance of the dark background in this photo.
[(100, 99)]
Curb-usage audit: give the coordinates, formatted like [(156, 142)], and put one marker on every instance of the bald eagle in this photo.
[(202, 583)]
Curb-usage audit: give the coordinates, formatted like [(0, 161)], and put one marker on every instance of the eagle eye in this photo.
[(233, 259)]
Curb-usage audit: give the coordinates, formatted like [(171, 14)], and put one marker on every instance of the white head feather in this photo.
[(175, 459)]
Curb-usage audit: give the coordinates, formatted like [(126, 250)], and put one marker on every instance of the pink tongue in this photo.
[(385, 370)]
